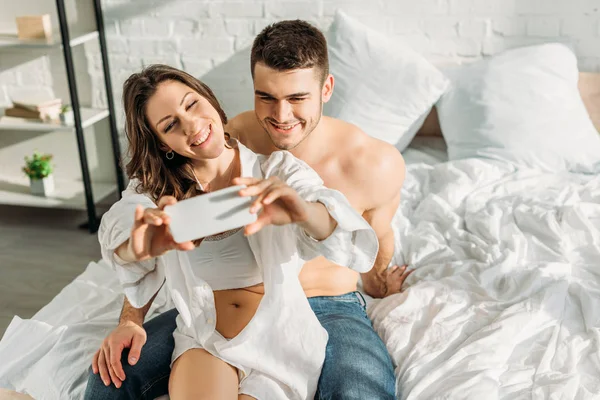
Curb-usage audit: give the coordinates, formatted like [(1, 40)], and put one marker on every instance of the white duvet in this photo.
[(505, 299), (504, 304)]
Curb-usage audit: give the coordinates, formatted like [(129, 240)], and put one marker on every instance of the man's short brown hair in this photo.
[(288, 45)]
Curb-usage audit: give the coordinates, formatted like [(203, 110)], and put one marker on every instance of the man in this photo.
[(291, 81)]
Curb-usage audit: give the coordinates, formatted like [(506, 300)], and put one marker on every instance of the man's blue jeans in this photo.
[(357, 364)]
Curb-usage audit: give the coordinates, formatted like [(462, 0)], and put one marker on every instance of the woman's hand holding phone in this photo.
[(150, 235)]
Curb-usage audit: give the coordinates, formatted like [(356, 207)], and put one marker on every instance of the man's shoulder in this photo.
[(375, 165), (243, 118), (363, 152), (239, 125)]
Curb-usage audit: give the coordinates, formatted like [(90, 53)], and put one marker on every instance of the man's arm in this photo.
[(135, 315), (128, 334), (384, 170), (375, 281)]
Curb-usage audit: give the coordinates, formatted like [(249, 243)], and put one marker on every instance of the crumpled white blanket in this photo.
[(49, 356), (505, 299)]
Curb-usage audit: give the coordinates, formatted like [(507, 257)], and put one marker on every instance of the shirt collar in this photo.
[(248, 159)]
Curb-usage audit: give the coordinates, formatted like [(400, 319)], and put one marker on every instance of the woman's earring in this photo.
[(169, 155), (228, 141)]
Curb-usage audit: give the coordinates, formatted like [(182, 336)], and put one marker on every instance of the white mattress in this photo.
[(503, 305)]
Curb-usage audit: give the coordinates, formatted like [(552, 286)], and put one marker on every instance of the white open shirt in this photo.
[(284, 340)]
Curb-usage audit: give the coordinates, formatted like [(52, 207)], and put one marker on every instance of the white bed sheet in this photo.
[(505, 299), (428, 150), (49, 356), (503, 304)]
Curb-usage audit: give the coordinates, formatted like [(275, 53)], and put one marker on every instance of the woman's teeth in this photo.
[(202, 138)]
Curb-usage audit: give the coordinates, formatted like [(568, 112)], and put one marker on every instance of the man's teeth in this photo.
[(285, 127), (202, 138)]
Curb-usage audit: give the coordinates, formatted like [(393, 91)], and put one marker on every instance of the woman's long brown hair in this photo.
[(157, 175)]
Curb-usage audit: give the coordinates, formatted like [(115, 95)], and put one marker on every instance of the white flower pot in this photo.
[(67, 118), (42, 187)]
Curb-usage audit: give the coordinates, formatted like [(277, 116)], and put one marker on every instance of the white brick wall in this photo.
[(210, 38)]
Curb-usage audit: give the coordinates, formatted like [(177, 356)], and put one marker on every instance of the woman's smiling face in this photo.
[(185, 122)]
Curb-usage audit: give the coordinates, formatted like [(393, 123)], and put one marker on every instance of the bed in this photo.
[(503, 303), (48, 356), (476, 321)]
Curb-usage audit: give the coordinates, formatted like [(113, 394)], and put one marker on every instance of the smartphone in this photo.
[(209, 214)]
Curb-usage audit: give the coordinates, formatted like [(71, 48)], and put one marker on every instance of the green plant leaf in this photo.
[(38, 166)]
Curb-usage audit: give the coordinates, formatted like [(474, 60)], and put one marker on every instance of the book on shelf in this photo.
[(45, 114), (38, 106), (35, 99)]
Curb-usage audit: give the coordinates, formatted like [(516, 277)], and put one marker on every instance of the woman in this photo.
[(244, 326)]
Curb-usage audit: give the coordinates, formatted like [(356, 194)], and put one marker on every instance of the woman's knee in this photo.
[(197, 374)]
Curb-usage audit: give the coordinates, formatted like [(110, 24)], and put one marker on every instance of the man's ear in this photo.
[(327, 88)]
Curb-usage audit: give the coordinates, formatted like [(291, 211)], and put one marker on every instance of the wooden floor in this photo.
[(41, 251)]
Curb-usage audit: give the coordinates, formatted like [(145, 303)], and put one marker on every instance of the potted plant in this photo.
[(39, 170), (66, 115)]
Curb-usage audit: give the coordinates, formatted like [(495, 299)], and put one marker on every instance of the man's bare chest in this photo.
[(345, 184), (333, 174)]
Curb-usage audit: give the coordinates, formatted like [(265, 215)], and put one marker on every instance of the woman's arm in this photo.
[(319, 224), (150, 235), (133, 235)]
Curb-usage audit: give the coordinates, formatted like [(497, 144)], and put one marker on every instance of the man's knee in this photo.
[(149, 377), (357, 364), (97, 390), (357, 375)]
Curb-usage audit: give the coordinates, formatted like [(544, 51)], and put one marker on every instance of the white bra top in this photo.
[(226, 261)]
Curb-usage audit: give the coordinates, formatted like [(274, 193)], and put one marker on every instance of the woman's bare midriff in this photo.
[(235, 308), (319, 277)]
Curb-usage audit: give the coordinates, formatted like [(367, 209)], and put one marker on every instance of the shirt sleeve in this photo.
[(353, 243), (140, 280)]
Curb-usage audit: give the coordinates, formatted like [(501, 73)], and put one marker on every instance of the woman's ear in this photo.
[(164, 147)]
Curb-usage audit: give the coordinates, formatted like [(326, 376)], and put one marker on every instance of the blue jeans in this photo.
[(357, 364)]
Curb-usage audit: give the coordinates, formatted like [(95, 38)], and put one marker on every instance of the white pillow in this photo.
[(522, 106), (381, 85)]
